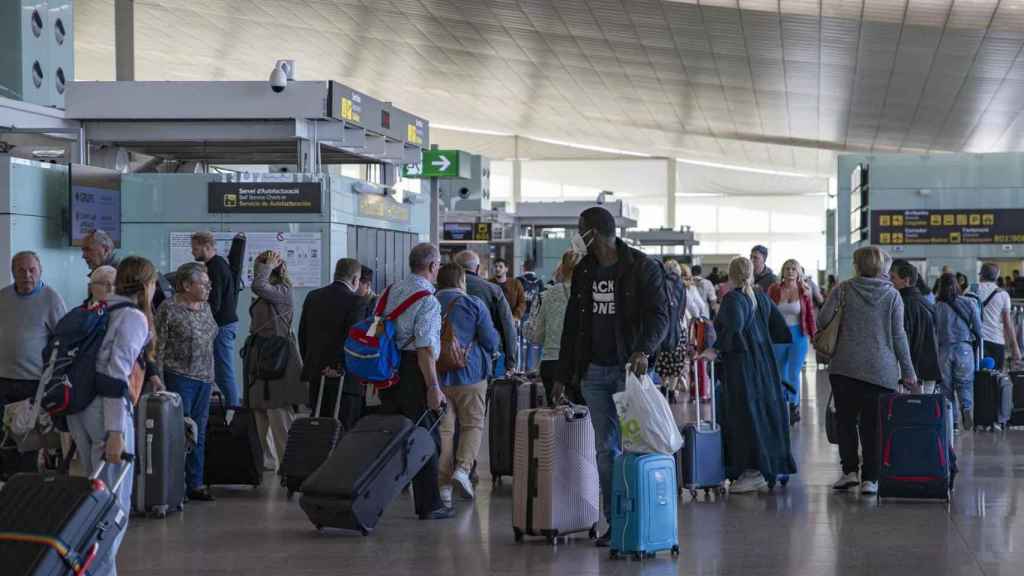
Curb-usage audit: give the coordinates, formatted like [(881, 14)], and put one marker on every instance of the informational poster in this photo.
[(95, 202), (963, 226), (264, 198), (302, 251)]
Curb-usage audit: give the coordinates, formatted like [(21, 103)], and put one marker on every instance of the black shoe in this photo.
[(200, 495), (604, 540), (440, 514)]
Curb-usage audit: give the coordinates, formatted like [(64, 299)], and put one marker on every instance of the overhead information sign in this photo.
[(264, 198), (440, 164), (920, 227)]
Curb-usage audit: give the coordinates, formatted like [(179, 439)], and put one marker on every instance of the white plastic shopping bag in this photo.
[(645, 418)]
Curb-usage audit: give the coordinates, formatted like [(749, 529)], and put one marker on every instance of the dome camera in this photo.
[(284, 70), (464, 193)]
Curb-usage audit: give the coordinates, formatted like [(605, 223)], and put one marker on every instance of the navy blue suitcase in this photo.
[(701, 462), (916, 433)]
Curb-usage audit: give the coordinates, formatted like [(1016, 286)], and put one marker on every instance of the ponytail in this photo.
[(133, 275)]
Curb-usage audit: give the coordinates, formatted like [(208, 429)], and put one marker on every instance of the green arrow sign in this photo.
[(440, 164)]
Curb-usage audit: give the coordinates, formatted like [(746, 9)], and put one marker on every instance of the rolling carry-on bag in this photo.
[(366, 471), (644, 505), (701, 460), (508, 397), (916, 432), (556, 487), (1017, 416), (234, 453), (310, 441), (159, 485), (55, 525), (993, 399)]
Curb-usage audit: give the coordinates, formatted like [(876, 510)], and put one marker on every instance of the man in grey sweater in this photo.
[(872, 358), (29, 312)]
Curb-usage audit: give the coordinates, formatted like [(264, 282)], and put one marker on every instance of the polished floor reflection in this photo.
[(800, 530)]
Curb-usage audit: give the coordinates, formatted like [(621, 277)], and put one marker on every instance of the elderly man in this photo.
[(98, 251), (29, 312), (495, 301)]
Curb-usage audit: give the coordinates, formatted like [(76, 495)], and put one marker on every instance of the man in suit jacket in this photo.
[(495, 301), (327, 315)]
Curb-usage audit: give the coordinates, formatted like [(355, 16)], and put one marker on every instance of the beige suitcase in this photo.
[(556, 489)]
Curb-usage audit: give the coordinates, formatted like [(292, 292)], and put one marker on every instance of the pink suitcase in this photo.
[(556, 489)]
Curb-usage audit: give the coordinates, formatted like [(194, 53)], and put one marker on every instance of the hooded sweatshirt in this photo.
[(872, 344)]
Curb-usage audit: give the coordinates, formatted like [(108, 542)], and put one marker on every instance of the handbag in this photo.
[(827, 338), (831, 421), (272, 352), (453, 356)]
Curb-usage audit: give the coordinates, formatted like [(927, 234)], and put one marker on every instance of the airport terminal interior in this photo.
[(744, 287)]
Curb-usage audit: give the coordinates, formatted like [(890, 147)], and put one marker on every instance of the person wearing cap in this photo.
[(763, 275)]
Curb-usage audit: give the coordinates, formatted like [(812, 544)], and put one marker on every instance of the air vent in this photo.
[(60, 80), (37, 74), (59, 33), (37, 24)]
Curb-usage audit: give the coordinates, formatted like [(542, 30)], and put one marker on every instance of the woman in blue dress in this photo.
[(754, 414)]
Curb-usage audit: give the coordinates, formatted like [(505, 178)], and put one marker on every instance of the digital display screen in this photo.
[(94, 203), (458, 231)]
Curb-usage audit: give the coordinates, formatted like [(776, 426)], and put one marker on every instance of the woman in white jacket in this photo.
[(104, 430), (545, 326)]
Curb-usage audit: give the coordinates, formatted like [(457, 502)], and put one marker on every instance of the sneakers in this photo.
[(846, 481), (200, 495), (747, 483), (441, 513), (461, 479), (446, 495), (869, 488)]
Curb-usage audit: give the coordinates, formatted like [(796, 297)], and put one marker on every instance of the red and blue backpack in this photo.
[(371, 353)]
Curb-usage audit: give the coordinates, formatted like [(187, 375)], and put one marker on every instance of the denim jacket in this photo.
[(950, 325), (473, 325)]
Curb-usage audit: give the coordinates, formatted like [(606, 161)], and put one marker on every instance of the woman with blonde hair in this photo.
[(756, 430), (793, 296), (271, 315), (545, 328)]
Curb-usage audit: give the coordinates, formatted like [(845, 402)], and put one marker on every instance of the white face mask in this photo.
[(579, 245)]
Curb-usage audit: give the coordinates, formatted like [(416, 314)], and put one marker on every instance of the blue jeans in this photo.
[(599, 383), (956, 362), (88, 428), (224, 363), (790, 358), (195, 399)]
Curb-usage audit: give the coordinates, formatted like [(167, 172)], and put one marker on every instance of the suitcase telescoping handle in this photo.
[(337, 399), (711, 387), (127, 459)]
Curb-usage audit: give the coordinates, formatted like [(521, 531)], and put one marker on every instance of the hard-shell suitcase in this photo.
[(993, 398), (916, 432), (508, 397), (701, 462), (366, 471), (310, 441), (1017, 417), (56, 525), (644, 518), (159, 485), (556, 488), (234, 453)]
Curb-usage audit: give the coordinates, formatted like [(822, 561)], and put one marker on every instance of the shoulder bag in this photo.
[(827, 338)]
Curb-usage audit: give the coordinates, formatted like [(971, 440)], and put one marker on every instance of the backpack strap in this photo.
[(416, 297), (382, 303), (990, 297)]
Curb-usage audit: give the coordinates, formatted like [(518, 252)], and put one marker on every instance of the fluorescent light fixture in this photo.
[(588, 147), (470, 130), (747, 168)]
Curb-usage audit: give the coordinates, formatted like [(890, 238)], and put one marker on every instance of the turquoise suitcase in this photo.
[(644, 505)]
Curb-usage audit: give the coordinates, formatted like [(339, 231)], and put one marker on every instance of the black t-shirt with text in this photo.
[(604, 341)]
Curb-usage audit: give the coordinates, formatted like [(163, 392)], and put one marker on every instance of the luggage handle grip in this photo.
[(126, 459)]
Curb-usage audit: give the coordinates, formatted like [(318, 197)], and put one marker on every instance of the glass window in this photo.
[(735, 219)]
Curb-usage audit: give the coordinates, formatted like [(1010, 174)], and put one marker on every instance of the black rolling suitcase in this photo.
[(56, 525), (234, 453), (993, 398), (159, 485), (310, 441), (1017, 416), (366, 471), (508, 397)]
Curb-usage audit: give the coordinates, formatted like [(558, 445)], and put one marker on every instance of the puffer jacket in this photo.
[(545, 328)]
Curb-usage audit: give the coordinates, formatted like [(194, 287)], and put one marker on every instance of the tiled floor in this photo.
[(803, 529)]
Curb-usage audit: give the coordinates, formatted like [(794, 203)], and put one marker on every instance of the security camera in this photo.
[(284, 70), (464, 193)]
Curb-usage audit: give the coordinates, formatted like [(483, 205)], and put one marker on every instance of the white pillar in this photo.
[(672, 184)]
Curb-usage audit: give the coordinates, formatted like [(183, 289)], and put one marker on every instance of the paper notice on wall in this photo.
[(303, 251)]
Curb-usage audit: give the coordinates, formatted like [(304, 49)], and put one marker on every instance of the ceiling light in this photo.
[(746, 168)]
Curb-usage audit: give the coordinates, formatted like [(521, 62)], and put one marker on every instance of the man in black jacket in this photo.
[(327, 315), (494, 299), (223, 303), (918, 322), (617, 316)]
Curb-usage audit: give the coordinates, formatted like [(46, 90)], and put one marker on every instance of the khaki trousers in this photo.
[(466, 405), (278, 421)]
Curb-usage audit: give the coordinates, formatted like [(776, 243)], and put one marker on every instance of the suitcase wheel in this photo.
[(613, 554), (519, 534), (496, 481), (675, 550), (784, 480), (158, 512), (693, 494), (638, 556)]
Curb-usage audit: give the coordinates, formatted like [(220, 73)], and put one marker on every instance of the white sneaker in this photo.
[(446, 495), (846, 481), (748, 483), (461, 479), (869, 488)]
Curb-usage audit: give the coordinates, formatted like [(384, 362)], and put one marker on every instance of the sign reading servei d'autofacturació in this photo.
[(264, 198)]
